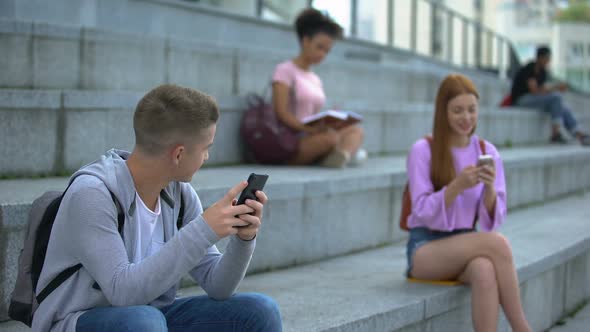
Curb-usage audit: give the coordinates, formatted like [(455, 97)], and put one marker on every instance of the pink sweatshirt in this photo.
[(428, 206), (309, 92)]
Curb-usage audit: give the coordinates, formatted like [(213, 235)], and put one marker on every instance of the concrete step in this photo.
[(51, 56), (63, 46), (367, 291), (313, 213), (579, 321), (192, 21), (65, 129), (197, 22)]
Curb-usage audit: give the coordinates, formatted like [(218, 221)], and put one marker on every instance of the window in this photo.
[(282, 11), (526, 16), (575, 51), (339, 11)]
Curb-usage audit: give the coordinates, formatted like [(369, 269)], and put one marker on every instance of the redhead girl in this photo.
[(449, 193)]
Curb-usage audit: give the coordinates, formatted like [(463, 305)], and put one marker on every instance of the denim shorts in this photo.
[(419, 236)]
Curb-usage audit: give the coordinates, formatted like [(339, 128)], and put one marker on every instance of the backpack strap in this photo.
[(67, 273), (120, 214), (168, 199), (57, 281), (180, 218), (482, 146), (121, 223)]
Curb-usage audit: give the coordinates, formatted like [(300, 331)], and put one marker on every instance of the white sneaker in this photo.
[(359, 158), (336, 159)]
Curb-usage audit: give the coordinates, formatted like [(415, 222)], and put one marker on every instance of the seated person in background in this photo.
[(529, 90), (449, 193), (298, 93), (129, 280)]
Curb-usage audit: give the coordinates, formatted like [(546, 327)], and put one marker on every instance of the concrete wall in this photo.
[(63, 130)]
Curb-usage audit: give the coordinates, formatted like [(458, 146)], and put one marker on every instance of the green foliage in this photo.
[(577, 11)]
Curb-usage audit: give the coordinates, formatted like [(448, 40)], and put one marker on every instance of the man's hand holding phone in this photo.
[(221, 216), (253, 220), (241, 216), (252, 196)]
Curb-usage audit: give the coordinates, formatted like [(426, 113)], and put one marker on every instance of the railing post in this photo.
[(465, 47), (433, 36), (500, 49), (259, 8), (478, 45), (490, 49), (354, 18), (413, 25), (390, 26), (450, 32)]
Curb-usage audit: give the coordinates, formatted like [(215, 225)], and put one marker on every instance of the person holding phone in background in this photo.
[(449, 193), (128, 281), (529, 89), (298, 93)]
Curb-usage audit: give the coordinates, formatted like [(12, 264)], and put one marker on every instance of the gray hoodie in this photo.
[(85, 231)]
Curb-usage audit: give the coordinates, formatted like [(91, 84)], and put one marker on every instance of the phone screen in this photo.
[(256, 183), (485, 160)]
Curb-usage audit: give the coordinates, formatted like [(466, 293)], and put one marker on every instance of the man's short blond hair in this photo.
[(171, 114)]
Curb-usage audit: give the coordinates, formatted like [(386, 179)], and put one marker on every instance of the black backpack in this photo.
[(24, 302)]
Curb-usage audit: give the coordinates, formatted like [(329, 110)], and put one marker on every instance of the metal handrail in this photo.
[(484, 43), (505, 64)]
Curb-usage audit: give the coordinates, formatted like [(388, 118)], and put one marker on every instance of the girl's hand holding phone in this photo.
[(486, 170)]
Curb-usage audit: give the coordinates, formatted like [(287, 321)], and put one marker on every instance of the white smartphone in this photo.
[(485, 159)]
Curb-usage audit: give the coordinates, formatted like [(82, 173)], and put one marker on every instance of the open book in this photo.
[(333, 118)]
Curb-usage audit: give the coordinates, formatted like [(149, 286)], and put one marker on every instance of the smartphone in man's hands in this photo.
[(256, 183)]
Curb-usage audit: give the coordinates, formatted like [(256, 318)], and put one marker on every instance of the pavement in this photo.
[(580, 322)]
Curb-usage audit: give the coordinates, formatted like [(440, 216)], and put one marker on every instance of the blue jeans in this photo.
[(419, 236), (552, 103), (241, 312)]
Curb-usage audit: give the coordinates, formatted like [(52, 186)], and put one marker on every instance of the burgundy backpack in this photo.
[(267, 139)]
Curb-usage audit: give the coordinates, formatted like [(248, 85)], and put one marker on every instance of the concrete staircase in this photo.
[(330, 250)]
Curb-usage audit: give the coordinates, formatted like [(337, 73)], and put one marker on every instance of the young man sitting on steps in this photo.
[(529, 90), (129, 279)]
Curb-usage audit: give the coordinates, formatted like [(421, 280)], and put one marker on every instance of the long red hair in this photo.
[(442, 169)]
